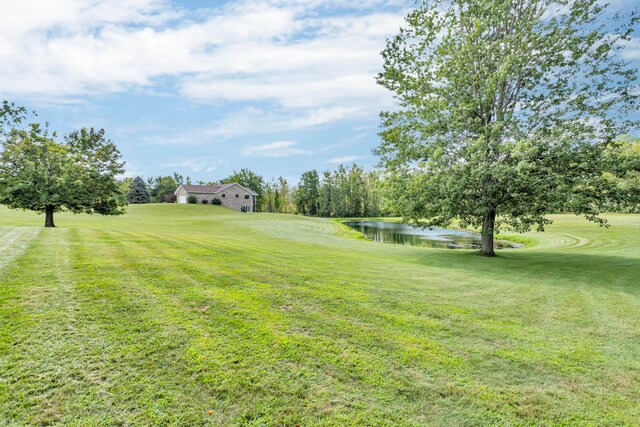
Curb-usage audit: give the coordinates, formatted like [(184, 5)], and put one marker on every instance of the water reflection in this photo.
[(393, 232)]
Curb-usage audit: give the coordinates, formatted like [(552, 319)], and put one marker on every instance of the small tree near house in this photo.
[(138, 192), (169, 197)]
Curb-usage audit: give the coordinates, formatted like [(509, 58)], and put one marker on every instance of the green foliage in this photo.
[(160, 187), (622, 158), (93, 187), (205, 201), (179, 179), (40, 174), (33, 170), (125, 186), (11, 115), (347, 192), (278, 196), (307, 196), (215, 201), (192, 199), (138, 192), (276, 200), (505, 109)]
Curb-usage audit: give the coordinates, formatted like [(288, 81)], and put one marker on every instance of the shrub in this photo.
[(205, 201), (216, 201), (243, 209), (169, 197), (192, 199)]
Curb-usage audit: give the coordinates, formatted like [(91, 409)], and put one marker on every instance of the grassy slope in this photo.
[(158, 316)]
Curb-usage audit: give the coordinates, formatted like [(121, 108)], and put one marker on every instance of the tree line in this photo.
[(78, 173), (348, 191)]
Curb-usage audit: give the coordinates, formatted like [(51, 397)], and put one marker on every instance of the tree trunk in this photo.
[(487, 233), (48, 217)]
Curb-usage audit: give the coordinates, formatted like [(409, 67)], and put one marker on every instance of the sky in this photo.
[(204, 88)]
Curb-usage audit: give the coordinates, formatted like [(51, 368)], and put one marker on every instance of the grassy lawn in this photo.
[(171, 311)]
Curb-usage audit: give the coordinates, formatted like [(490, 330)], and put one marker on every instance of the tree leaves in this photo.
[(503, 105), (37, 173)]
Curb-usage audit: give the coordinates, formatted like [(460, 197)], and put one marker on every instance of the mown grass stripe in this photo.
[(278, 320), (14, 242)]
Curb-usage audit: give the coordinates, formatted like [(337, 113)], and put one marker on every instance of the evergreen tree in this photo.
[(276, 200), (138, 192)]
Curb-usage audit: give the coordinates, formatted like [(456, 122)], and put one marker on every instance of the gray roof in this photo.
[(208, 189), (212, 189)]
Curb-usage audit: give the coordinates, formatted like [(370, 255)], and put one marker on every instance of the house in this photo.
[(233, 195)]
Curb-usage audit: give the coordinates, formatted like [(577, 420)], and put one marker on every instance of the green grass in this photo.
[(158, 316)]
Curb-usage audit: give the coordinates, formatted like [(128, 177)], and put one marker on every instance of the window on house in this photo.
[(246, 197), (224, 195), (237, 195)]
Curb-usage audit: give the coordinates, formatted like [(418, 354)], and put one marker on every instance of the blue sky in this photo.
[(204, 88)]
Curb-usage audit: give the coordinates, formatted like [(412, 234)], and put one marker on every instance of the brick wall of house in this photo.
[(234, 197)]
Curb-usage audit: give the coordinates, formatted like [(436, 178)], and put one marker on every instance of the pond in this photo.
[(393, 232)]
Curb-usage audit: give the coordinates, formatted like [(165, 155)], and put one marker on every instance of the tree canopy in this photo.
[(505, 110), (349, 191), (623, 174), (40, 174), (162, 188), (307, 196)]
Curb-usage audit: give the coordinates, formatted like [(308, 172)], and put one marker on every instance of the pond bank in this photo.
[(397, 233)]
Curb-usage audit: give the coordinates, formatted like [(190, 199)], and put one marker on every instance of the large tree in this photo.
[(40, 174), (505, 110), (308, 194)]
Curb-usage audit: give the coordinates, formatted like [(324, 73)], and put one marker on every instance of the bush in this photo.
[(244, 209), (192, 199), (216, 202), (205, 201), (169, 197)]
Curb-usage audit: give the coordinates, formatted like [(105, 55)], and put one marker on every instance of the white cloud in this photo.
[(131, 170), (631, 49), (344, 159), (286, 53), (255, 121), (195, 164), (73, 16), (274, 149)]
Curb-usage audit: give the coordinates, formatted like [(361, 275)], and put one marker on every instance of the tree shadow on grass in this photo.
[(553, 267)]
